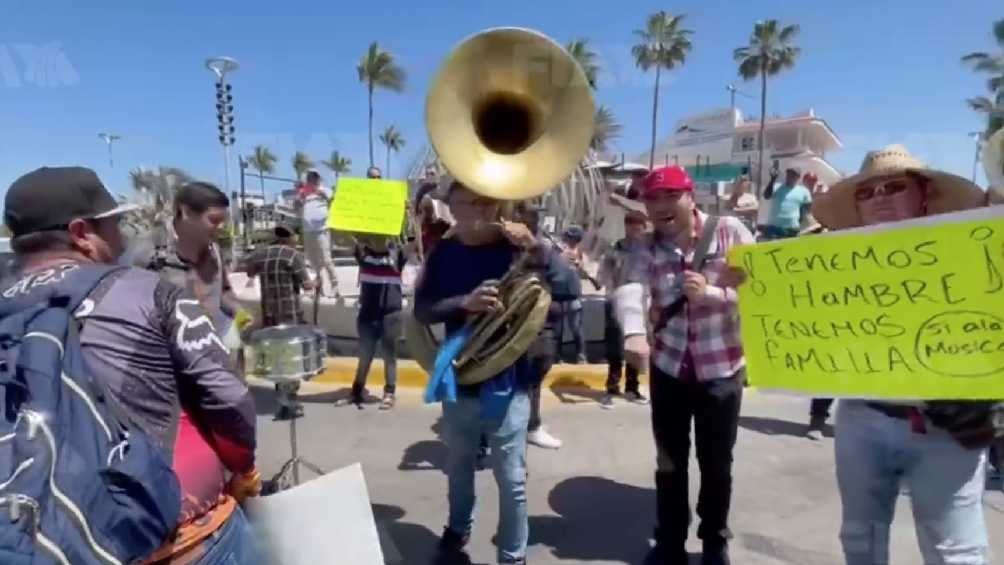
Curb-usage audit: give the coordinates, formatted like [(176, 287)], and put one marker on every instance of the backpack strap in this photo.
[(704, 244), (700, 257)]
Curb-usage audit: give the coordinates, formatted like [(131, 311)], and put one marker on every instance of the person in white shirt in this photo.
[(314, 201)]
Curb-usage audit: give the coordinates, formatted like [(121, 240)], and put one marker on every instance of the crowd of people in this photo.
[(147, 334), (673, 313)]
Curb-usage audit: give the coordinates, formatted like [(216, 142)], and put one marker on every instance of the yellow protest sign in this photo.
[(368, 206), (912, 313)]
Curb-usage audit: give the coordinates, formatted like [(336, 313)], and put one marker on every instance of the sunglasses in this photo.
[(888, 188)]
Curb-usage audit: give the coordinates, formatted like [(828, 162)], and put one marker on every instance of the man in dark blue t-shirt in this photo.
[(460, 279)]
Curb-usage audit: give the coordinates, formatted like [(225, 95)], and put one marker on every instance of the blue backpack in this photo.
[(79, 484)]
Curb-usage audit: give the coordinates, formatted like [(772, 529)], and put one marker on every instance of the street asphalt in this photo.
[(593, 500)]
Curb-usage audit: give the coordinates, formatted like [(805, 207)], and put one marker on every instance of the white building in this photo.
[(718, 145)]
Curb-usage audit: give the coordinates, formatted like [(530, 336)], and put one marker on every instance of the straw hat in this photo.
[(837, 209)]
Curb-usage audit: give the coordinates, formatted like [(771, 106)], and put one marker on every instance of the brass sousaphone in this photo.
[(510, 115)]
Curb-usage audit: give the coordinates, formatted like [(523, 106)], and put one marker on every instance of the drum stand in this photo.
[(292, 466)]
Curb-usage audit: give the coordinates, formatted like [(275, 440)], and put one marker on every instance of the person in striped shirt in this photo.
[(697, 360), (381, 262)]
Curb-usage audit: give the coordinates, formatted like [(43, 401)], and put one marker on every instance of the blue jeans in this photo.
[(874, 454), (383, 331), (463, 428), (572, 313), (232, 544)]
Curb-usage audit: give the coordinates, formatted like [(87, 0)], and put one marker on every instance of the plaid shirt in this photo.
[(709, 329), (282, 271)]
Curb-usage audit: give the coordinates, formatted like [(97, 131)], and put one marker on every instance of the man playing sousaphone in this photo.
[(509, 114), (459, 280), (937, 449)]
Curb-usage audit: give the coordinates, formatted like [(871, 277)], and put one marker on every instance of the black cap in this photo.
[(51, 197)]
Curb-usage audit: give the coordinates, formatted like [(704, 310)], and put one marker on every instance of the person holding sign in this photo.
[(697, 358), (315, 201), (938, 448), (381, 262)]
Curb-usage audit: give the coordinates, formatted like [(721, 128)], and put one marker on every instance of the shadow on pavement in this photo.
[(598, 520), (772, 427), (574, 391), (403, 543), (784, 551), (265, 398), (426, 455)]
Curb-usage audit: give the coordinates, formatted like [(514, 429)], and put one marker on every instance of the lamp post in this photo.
[(733, 90), (109, 139), (977, 137), (220, 66)]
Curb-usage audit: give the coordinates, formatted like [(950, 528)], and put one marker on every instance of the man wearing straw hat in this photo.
[(938, 448)]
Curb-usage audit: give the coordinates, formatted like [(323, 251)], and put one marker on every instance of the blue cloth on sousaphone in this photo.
[(494, 394)]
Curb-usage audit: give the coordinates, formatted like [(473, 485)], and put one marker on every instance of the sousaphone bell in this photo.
[(510, 116)]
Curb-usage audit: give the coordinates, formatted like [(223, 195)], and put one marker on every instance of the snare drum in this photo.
[(287, 353)]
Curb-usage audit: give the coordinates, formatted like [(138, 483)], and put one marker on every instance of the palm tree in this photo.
[(769, 52), (586, 58), (393, 140), (301, 164), (156, 190), (993, 64), (605, 128), (377, 69), (664, 45), (338, 164), (263, 161)]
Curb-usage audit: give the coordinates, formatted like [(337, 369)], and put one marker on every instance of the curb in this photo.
[(341, 371)]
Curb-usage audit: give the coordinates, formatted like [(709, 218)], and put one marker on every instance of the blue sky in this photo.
[(880, 71)]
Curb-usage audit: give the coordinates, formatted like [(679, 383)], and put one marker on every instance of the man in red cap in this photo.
[(696, 358)]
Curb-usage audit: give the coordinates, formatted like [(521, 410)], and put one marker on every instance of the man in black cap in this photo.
[(151, 347), (42, 206)]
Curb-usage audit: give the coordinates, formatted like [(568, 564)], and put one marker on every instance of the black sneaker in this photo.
[(635, 397), (452, 542), (661, 555), (816, 426), (359, 395), (715, 555)]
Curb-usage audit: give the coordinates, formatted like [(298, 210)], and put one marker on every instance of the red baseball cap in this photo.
[(667, 179)]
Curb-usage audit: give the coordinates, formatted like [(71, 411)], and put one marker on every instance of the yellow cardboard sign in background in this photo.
[(368, 206), (913, 313)]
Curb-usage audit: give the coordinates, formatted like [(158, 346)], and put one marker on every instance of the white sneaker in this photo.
[(541, 438)]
